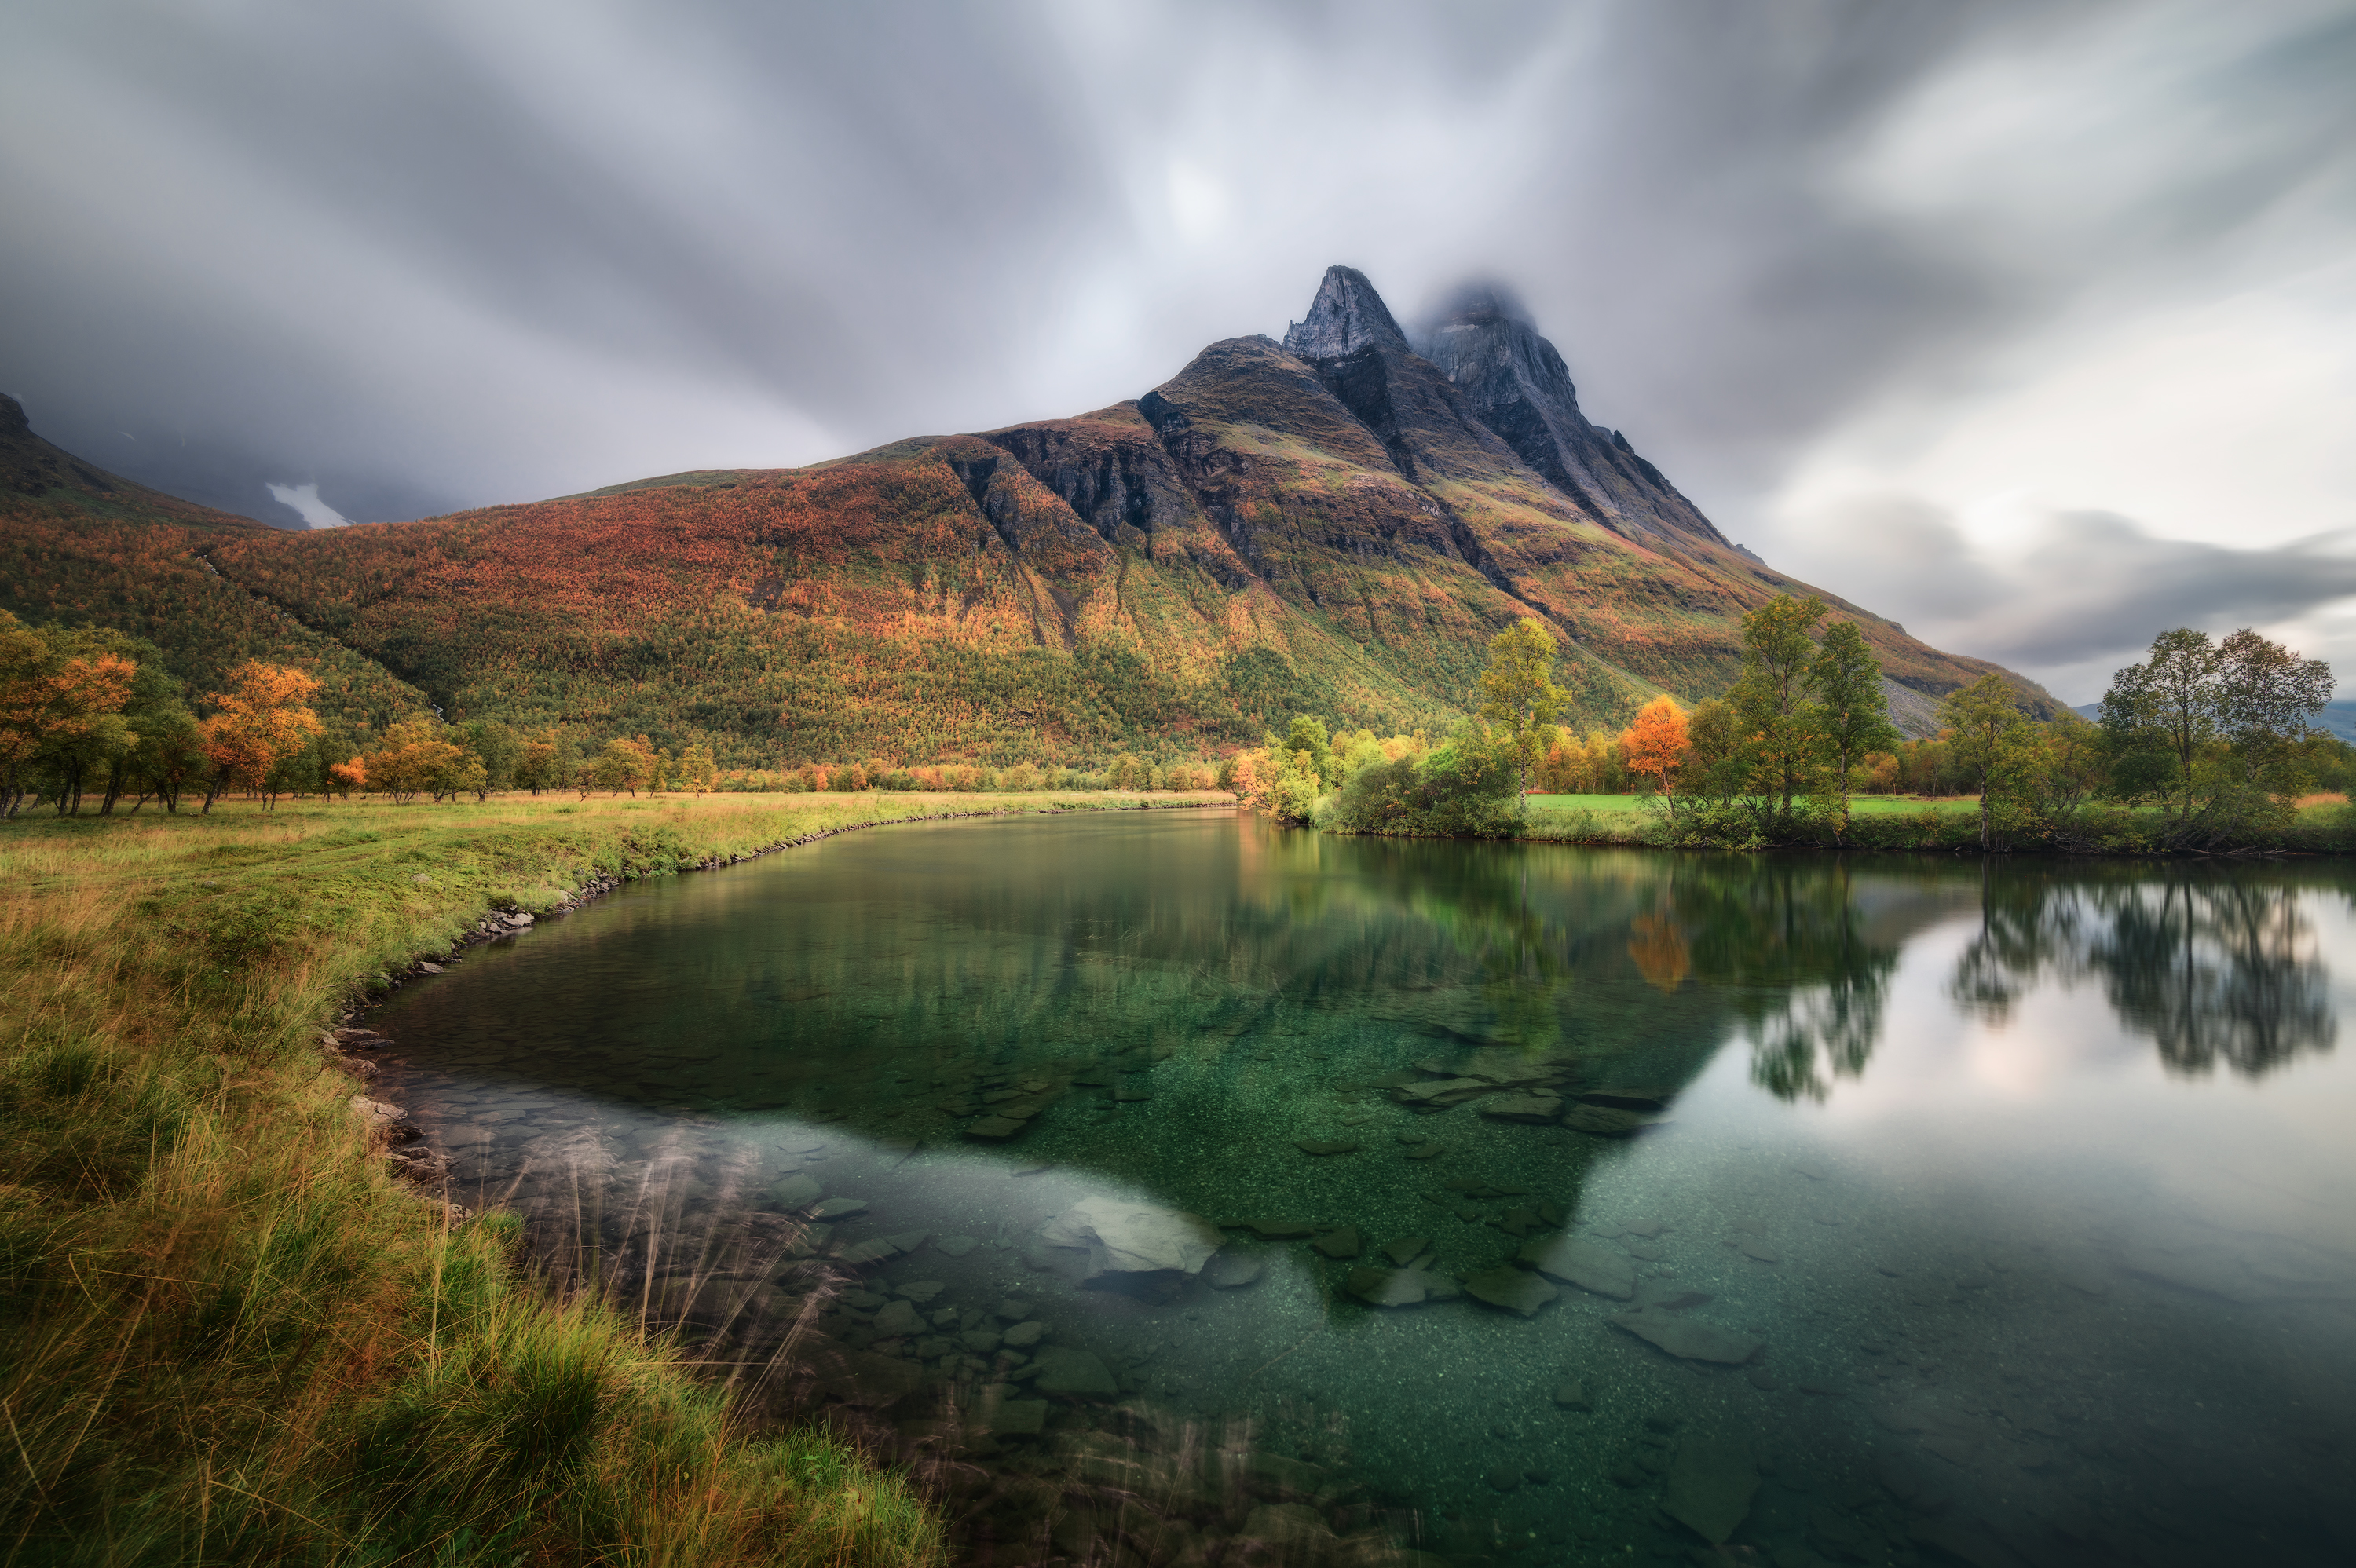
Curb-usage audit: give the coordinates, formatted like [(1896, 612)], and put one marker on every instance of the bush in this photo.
[(1465, 788)]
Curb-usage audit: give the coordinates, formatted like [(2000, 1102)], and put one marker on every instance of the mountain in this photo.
[(1333, 524)]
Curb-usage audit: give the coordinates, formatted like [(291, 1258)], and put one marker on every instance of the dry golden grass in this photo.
[(225, 1334)]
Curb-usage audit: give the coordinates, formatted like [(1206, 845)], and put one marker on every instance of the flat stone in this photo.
[(796, 1192), (1274, 1230), (839, 1209), (919, 1290), (1389, 1286), (1345, 1242), (1063, 1369), (1605, 1121), (1017, 1417), (1022, 1336), (897, 1319), (955, 1246), (1589, 1265), (1511, 1289), (1505, 1480), (1320, 1147), (1123, 1237), (993, 1129), (1232, 1271), (980, 1342), (1760, 1252), (1689, 1339), (1647, 1228), (1573, 1395), (1425, 1151), (1407, 1249), (1711, 1483), (1522, 1108), (1445, 1092), (1628, 1099)]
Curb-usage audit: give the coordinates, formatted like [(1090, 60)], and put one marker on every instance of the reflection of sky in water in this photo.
[(2033, 1286)]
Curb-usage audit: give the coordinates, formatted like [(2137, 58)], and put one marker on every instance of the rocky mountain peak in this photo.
[(1347, 315), (12, 417)]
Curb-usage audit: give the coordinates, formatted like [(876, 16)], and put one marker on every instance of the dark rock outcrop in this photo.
[(1347, 315), (1518, 385)]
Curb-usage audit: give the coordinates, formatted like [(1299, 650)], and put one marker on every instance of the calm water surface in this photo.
[(2014, 1202)]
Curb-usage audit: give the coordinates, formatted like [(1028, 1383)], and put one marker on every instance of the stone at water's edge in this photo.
[(1688, 1337), (1710, 1485), (1133, 1238), (1589, 1265)]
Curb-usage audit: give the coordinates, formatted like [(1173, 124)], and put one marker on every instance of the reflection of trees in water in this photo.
[(2213, 966), (1785, 941)]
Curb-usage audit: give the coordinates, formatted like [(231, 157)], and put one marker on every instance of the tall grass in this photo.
[(226, 1335)]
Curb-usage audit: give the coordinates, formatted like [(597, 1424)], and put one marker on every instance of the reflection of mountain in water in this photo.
[(2213, 966)]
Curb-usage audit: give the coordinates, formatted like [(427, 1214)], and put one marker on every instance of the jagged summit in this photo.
[(1518, 385), (1347, 315)]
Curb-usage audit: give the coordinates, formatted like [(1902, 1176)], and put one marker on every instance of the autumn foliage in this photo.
[(1655, 746)]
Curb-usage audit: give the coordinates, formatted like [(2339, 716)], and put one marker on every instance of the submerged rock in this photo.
[(1063, 1369), (994, 1129), (1711, 1483), (796, 1192), (1573, 1395), (1589, 1265), (1407, 1249), (1522, 1108), (1602, 1121), (1345, 1242), (1232, 1271), (1389, 1286), (1322, 1147), (1122, 1237), (1511, 1289), (1688, 1337)]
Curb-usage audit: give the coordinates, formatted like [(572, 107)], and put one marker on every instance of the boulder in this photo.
[(1389, 1286), (1122, 1237), (1591, 1266)]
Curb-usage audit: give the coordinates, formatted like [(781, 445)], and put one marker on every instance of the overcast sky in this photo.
[(2033, 326)]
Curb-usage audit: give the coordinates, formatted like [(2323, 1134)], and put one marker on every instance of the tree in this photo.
[(62, 692), (624, 764), (416, 757), (1657, 745), (1851, 711), (696, 771), (1518, 693), (498, 747), (168, 748), (346, 776), (265, 715), (1308, 734), (2213, 733), (1990, 739), (1781, 747)]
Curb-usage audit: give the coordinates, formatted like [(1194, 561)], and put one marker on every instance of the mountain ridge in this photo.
[(1335, 527)]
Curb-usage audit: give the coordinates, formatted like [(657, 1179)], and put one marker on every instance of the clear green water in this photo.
[(2034, 1180)]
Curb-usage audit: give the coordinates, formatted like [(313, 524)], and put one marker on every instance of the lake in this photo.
[(1171, 1182)]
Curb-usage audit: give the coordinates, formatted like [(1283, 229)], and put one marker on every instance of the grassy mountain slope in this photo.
[(1334, 530), (82, 546)]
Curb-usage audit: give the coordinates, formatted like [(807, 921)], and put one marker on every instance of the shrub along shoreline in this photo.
[(226, 1332)]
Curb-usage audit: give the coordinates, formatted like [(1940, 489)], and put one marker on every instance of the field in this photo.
[(228, 1333)]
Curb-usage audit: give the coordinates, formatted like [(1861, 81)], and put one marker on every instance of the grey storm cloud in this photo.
[(443, 255)]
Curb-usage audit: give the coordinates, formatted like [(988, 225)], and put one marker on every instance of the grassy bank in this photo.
[(2321, 825), (226, 1335)]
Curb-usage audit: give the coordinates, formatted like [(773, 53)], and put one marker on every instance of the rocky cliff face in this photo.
[(1346, 316), (1518, 385)]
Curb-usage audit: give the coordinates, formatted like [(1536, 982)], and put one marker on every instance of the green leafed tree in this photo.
[(1851, 711), (1781, 746), (1518, 694), (1993, 743), (2213, 734)]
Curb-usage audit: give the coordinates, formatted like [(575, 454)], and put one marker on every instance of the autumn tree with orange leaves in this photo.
[(59, 705), (1657, 744), (264, 716)]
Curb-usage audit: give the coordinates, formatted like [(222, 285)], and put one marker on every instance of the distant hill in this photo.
[(1333, 524)]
